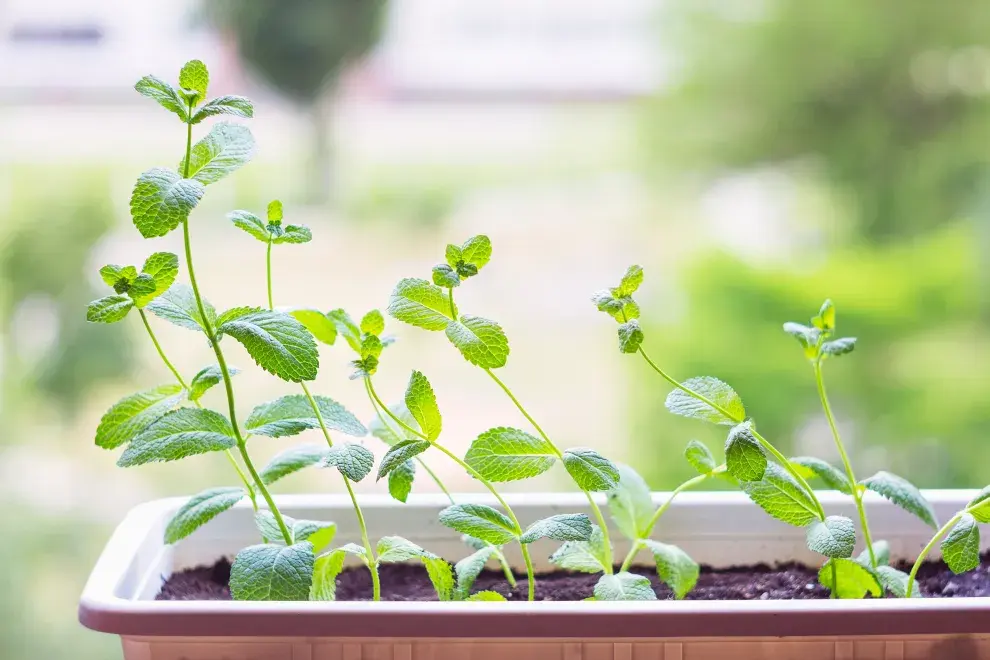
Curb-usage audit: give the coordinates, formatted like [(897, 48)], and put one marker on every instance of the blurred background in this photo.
[(755, 156)]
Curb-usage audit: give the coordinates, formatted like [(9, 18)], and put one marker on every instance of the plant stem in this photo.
[(928, 548), (856, 493), (268, 273), (591, 500), (450, 298)]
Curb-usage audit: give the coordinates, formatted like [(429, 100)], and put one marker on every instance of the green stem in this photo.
[(857, 495), (928, 548), (591, 500), (450, 298), (268, 273)]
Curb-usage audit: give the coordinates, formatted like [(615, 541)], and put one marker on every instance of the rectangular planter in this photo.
[(720, 529)]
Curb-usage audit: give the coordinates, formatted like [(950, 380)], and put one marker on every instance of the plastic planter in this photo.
[(719, 529)]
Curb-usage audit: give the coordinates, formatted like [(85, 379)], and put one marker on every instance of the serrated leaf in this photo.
[(979, 506), (719, 393), (178, 306), (782, 497), (131, 415), (838, 347), (833, 537), (356, 550), (583, 556), (206, 378), (162, 267), (454, 255), (199, 510), (275, 211), (674, 567), (293, 413), (806, 336), (744, 457), (700, 457), (321, 327), (507, 454), (178, 434), (295, 234), (385, 429), (904, 494), (961, 546), (477, 251), (826, 316), (292, 460), (399, 454), (810, 467), (441, 576), (487, 596), (325, 572), (347, 328), (896, 582), (353, 460), (468, 569), (590, 470), (273, 572), (854, 579), (373, 323), (279, 344), (400, 480), (630, 282), (164, 94), (480, 521), (630, 503), (108, 309), (562, 527), (162, 199), (422, 405), (881, 550), (481, 341), (250, 223), (445, 276), (621, 309), (630, 336), (624, 586), (225, 148), (236, 106), (419, 303), (318, 533), (395, 549), (194, 77)]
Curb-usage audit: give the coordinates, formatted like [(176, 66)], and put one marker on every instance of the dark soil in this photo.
[(404, 582)]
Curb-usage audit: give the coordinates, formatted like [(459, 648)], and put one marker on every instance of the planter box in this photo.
[(719, 529)]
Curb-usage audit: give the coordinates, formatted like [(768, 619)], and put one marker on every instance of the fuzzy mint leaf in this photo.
[(206, 378), (833, 537), (353, 460), (590, 470), (325, 571), (469, 568), (371, 346), (806, 336), (131, 415), (273, 572), (961, 547), (904, 494), (419, 303), (235, 106), (279, 344), (445, 276), (400, 480), (178, 306), (583, 556), (624, 586), (854, 579), (318, 324), (881, 550), (674, 567), (477, 251), (373, 323), (979, 506), (480, 521), (109, 309), (162, 267), (681, 403), (250, 223), (162, 199), (809, 467), (630, 336), (225, 148), (399, 454), (782, 497), (293, 414), (826, 317), (385, 429), (395, 549), (838, 347), (422, 405), (295, 234), (199, 510), (630, 282), (481, 341), (320, 534), (621, 309), (347, 328), (630, 503), (195, 78), (179, 434), (700, 457), (164, 94), (744, 457), (895, 582), (292, 460), (507, 454), (562, 527)]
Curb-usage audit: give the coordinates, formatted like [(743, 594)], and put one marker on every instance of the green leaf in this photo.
[(744, 457), (630, 282), (624, 586), (904, 494), (583, 556), (225, 148), (164, 94), (356, 550), (252, 224), (385, 429), (399, 454), (826, 317), (719, 393), (839, 347), (833, 537), (109, 309), (454, 255), (477, 251), (325, 572), (487, 596), (275, 211), (480, 521), (590, 470), (674, 567), (481, 341), (206, 378), (178, 434), (178, 306), (273, 572), (562, 527), (395, 549), (445, 276), (296, 234), (896, 582), (347, 328), (400, 480), (468, 569), (630, 336), (199, 510), (699, 456), (320, 534), (422, 405), (419, 303), (806, 336), (621, 309), (881, 550), (353, 460), (293, 413), (194, 77), (854, 579), (782, 497), (134, 413), (162, 199), (810, 467), (162, 267), (292, 460), (236, 106), (279, 344), (373, 323), (507, 454), (961, 547), (979, 506), (318, 324), (630, 503), (441, 576)]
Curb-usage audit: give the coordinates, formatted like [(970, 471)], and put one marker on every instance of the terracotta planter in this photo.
[(720, 529)]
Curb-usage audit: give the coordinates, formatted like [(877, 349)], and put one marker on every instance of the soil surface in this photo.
[(406, 582)]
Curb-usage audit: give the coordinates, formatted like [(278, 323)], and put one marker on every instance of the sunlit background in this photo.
[(755, 156)]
